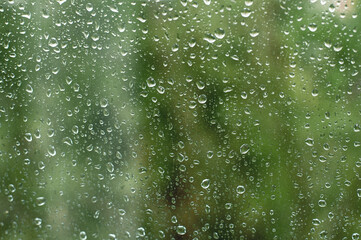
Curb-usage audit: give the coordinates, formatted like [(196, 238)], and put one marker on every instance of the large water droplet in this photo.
[(181, 230), (220, 33)]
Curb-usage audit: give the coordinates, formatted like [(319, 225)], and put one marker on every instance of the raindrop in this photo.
[(309, 142), (202, 99), (28, 137), (220, 33), (151, 82), (110, 167), (141, 232), (181, 230), (205, 183), (244, 149), (53, 42), (240, 189), (103, 102), (207, 2), (337, 47), (254, 33), (89, 7), (322, 203), (51, 151), (316, 222), (246, 12), (82, 235), (40, 201), (209, 38)]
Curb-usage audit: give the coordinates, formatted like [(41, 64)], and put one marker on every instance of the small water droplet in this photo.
[(359, 192), (104, 102), (322, 203), (337, 47), (207, 2), (246, 12), (309, 142), (312, 27), (110, 167), (205, 183), (240, 189), (51, 151), (141, 232), (244, 149), (40, 201), (28, 137), (209, 38), (316, 222), (68, 141), (53, 42), (89, 7), (151, 82)]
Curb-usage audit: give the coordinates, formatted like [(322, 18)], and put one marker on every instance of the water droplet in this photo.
[(240, 189), (82, 235), (28, 137), (357, 128), (315, 92), (110, 167), (175, 47), (181, 230), (355, 236), (104, 102), (207, 2), (337, 47), (205, 183), (89, 7), (316, 222), (141, 232), (322, 203), (53, 42), (202, 99), (51, 151), (309, 142), (29, 88), (40, 201), (332, 8), (41, 165), (38, 221), (244, 149), (246, 12), (151, 82), (200, 85), (220, 33), (254, 33), (248, 2), (68, 141), (359, 192), (312, 27), (209, 38)]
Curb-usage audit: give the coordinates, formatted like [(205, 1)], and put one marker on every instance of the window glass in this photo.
[(180, 119)]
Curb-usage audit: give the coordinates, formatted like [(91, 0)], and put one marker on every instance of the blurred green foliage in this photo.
[(180, 119)]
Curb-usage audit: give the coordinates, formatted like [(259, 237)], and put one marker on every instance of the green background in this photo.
[(180, 119)]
